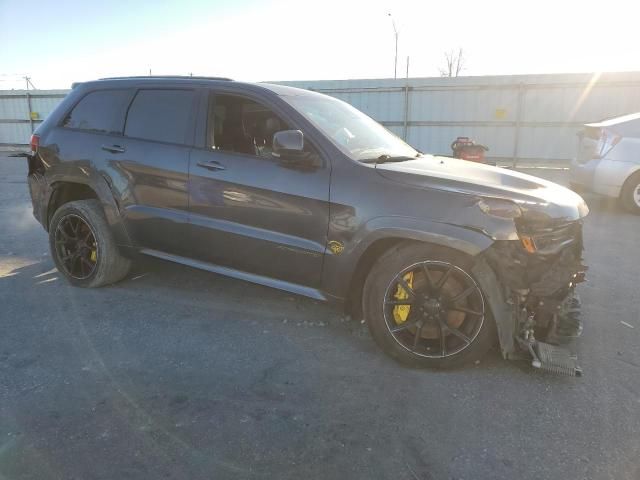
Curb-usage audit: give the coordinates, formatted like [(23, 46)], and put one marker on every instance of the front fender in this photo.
[(504, 313), (340, 265)]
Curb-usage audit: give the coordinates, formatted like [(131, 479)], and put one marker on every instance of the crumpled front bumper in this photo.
[(532, 297)]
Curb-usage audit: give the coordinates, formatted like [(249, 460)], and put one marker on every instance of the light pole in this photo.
[(395, 32)]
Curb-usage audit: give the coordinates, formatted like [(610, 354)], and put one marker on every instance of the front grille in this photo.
[(553, 239)]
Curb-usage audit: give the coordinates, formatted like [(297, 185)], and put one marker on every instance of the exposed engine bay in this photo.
[(536, 278)]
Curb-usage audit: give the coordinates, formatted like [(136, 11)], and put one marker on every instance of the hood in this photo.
[(452, 174)]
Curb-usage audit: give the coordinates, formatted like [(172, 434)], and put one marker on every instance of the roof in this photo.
[(280, 90), (186, 77), (615, 121)]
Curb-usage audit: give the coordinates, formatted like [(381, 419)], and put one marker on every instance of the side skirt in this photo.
[(240, 275)]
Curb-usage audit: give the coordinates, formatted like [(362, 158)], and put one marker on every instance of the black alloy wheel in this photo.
[(444, 309), (76, 247)]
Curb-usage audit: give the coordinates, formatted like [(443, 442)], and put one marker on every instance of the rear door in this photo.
[(249, 210), (154, 160)]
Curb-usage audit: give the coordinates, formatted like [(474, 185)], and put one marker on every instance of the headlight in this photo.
[(497, 207)]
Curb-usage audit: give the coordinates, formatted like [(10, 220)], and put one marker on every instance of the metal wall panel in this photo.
[(14, 133), (44, 106), (519, 117), (16, 124)]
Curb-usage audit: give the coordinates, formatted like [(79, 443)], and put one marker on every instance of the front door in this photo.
[(249, 210)]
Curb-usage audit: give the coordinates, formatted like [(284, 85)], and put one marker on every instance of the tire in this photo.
[(83, 247), (467, 336), (630, 195)]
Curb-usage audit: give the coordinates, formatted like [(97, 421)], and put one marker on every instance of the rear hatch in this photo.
[(596, 140)]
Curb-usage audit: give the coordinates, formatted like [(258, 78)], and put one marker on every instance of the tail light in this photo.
[(607, 141), (35, 143)]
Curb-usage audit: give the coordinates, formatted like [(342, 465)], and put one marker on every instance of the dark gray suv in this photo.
[(302, 192)]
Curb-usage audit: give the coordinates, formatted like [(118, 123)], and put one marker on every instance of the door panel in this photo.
[(155, 163), (155, 200), (256, 214)]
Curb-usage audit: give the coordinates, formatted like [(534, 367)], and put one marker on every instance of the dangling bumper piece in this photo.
[(533, 300)]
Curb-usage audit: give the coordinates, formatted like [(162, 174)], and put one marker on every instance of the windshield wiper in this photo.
[(387, 159)]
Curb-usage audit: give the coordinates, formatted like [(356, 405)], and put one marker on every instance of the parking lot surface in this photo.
[(180, 374)]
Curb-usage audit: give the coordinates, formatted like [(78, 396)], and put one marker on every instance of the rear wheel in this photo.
[(424, 308), (83, 247), (630, 195)]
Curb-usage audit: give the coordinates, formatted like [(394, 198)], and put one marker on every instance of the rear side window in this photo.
[(101, 111), (160, 115)]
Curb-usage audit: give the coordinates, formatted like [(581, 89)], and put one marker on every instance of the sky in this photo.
[(59, 42)]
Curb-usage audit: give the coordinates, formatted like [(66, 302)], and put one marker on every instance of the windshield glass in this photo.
[(356, 134)]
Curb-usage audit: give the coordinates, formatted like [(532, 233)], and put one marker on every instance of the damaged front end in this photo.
[(530, 283)]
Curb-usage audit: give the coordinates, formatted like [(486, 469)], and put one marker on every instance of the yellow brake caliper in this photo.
[(401, 312)]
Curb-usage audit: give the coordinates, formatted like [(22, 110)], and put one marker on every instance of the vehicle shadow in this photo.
[(183, 293)]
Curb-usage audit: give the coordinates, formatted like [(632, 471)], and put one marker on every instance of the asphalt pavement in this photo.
[(176, 373)]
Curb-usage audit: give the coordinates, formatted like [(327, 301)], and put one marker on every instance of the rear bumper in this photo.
[(581, 175), (38, 190), (602, 176)]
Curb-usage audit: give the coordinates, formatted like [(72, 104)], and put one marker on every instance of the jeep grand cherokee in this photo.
[(302, 192)]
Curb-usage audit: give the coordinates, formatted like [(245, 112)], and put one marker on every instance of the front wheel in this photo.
[(424, 308)]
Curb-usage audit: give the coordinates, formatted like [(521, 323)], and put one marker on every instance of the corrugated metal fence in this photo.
[(22, 110), (522, 118)]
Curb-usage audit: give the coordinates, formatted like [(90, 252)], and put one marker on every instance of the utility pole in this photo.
[(27, 79), (395, 33), (405, 125)]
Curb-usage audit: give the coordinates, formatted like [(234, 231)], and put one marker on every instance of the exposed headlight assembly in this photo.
[(500, 208)]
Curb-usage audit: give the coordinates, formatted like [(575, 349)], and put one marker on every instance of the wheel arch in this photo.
[(633, 173), (64, 192), (94, 186), (627, 197), (380, 240)]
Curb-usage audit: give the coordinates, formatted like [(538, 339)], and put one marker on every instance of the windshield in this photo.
[(356, 134)]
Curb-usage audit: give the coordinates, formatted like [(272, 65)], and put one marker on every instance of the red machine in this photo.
[(467, 149)]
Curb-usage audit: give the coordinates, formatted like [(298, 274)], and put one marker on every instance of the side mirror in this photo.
[(288, 144)]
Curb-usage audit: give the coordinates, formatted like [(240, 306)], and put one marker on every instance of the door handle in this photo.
[(211, 165), (113, 148)]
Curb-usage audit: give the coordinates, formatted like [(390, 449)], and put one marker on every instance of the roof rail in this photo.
[(184, 77)]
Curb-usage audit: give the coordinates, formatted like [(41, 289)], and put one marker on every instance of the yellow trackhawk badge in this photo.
[(336, 247)]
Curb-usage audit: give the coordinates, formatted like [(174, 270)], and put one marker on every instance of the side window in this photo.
[(100, 111), (237, 124), (160, 115)]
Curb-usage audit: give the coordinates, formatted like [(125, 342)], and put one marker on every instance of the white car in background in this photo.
[(608, 160)]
